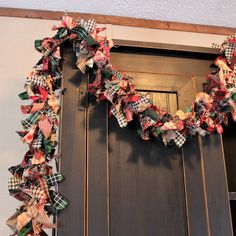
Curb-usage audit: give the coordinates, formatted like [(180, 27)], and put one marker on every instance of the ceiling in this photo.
[(210, 12)]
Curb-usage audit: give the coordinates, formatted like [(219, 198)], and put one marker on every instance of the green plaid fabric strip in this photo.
[(58, 202), (26, 230), (27, 123), (54, 179), (81, 32), (38, 142)]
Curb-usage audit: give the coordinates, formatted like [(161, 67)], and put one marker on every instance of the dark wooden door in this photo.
[(120, 185)]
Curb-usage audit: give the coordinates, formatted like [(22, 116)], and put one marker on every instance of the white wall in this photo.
[(17, 58), (210, 12)]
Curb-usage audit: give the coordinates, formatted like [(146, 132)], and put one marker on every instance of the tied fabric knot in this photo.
[(58, 201), (120, 117), (54, 179), (140, 105), (30, 121), (45, 126), (174, 135)]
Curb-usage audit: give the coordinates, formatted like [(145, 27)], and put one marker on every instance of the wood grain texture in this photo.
[(216, 186), (146, 185), (73, 151), (97, 170), (118, 20), (194, 187)]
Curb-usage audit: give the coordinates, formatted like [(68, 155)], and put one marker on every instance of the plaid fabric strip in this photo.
[(120, 118), (58, 201), (90, 25), (27, 123), (142, 104), (43, 185), (45, 126), (43, 218), (13, 183), (49, 113), (36, 107), (170, 135), (54, 61), (12, 221), (36, 192), (25, 109), (28, 138), (146, 121), (202, 132), (179, 139), (229, 50), (37, 80), (54, 178), (81, 32), (112, 87), (19, 195), (117, 74), (37, 143)]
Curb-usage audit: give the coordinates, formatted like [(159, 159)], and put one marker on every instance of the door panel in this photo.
[(146, 185)]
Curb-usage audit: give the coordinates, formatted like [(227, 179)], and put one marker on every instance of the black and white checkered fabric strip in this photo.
[(120, 118), (179, 139), (28, 122), (136, 105), (112, 88), (13, 183), (58, 201), (170, 135), (37, 80), (37, 143), (117, 74), (202, 132), (50, 113), (90, 25), (54, 178), (229, 50)]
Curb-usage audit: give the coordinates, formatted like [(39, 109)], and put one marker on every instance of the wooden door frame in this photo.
[(201, 214)]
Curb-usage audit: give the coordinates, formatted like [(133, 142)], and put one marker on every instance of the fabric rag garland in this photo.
[(33, 180)]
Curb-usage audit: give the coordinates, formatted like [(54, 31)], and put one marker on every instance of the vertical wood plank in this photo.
[(216, 186), (73, 143), (229, 141), (194, 187), (98, 186)]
